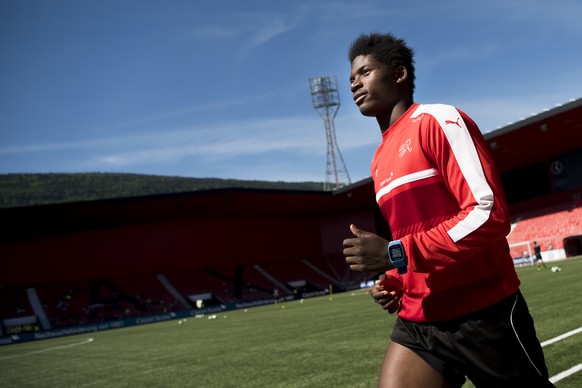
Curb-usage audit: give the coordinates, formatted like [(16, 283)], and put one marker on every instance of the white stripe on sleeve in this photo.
[(465, 152)]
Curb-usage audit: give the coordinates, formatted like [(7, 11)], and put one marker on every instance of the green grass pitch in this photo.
[(317, 343)]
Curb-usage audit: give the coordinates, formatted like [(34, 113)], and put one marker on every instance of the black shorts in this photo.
[(493, 347)]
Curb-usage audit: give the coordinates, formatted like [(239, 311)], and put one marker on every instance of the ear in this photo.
[(401, 74)]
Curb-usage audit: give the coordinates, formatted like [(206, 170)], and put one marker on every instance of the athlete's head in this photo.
[(389, 50)]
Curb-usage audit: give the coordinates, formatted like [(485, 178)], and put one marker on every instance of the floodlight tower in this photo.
[(325, 98)]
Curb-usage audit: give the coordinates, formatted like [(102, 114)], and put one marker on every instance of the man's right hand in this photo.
[(387, 292), (366, 251)]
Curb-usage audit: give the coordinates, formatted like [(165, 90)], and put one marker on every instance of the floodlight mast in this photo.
[(325, 99)]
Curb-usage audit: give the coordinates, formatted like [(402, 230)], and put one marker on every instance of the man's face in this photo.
[(373, 86)]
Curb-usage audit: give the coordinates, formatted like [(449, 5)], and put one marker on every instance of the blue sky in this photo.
[(220, 89)]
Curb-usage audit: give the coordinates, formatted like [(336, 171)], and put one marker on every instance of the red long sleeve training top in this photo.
[(438, 189)]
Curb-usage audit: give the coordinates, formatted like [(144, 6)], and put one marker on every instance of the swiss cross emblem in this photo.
[(405, 147)]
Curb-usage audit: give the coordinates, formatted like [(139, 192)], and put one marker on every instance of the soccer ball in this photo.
[(556, 269)]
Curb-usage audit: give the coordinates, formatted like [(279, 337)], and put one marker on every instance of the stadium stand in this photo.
[(65, 303), (142, 293), (297, 270), (548, 226), (190, 282), (14, 302)]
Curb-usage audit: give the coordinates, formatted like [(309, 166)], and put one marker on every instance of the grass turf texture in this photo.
[(317, 343)]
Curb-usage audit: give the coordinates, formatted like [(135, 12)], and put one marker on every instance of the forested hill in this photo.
[(39, 189)]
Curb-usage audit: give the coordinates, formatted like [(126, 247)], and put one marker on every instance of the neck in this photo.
[(385, 121)]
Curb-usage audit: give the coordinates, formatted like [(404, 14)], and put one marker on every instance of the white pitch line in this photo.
[(566, 373), (561, 337), (89, 340)]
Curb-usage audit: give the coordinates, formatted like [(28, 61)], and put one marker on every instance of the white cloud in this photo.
[(260, 31), (245, 32), (299, 135), (228, 140)]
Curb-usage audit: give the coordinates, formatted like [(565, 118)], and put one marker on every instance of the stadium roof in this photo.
[(538, 138), (43, 220)]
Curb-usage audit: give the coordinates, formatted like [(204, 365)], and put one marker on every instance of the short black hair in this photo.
[(389, 50)]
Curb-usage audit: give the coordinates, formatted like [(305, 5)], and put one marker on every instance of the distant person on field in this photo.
[(538, 255), (460, 311)]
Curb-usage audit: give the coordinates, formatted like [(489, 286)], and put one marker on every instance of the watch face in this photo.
[(395, 253)]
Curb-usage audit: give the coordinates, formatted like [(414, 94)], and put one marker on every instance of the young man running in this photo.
[(449, 273)]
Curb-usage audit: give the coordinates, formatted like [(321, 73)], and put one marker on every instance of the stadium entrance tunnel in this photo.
[(573, 246)]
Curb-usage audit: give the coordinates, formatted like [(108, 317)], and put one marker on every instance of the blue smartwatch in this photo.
[(397, 256)]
